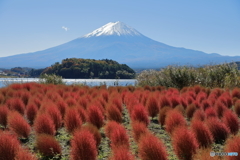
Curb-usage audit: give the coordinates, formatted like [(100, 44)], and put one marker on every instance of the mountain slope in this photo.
[(119, 42)]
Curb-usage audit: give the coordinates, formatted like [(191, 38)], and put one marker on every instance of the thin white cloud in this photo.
[(65, 28)]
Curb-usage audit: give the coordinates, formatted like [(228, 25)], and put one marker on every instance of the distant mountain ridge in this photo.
[(119, 42)]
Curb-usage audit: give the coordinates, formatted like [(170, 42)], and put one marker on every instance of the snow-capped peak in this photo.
[(113, 28)]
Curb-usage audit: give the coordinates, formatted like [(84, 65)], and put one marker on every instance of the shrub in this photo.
[(152, 107), (184, 143), (220, 108), (83, 146), (230, 119), (25, 97), (199, 115), (151, 148), (82, 113), (24, 154), (83, 102), (109, 127), (62, 106), (233, 145), (51, 79), (95, 116), (94, 130), (44, 124), (55, 116), (119, 137), (139, 129), (210, 112), (140, 114), (72, 120), (162, 115), (3, 115), (31, 112), (202, 133), (118, 103), (205, 104), (164, 101), (191, 108), (18, 125), (47, 145), (16, 104), (113, 113), (218, 129), (236, 93), (121, 153), (237, 107), (174, 119), (9, 146)]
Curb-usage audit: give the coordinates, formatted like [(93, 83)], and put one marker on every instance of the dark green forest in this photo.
[(90, 68)]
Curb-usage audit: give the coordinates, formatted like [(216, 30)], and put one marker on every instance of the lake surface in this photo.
[(89, 82)]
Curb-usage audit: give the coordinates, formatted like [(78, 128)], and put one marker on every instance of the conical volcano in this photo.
[(119, 42)]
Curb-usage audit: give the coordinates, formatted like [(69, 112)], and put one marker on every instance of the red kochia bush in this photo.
[(191, 108), (119, 137), (18, 125), (25, 155), (109, 127), (164, 101), (184, 143), (236, 93), (151, 148), (237, 107), (31, 112), (83, 146), (55, 116), (62, 107), (48, 145), (202, 133), (113, 113), (140, 114), (218, 129), (139, 129), (174, 119), (9, 146), (72, 120), (230, 119), (233, 145), (3, 115), (93, 129), (162, 115), (82, 113), (122, 153), (16, 104), (199, 115), (44, 124), (95, 116), (152, 107)]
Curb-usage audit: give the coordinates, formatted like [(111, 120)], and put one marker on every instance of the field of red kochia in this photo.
[(191, 122)]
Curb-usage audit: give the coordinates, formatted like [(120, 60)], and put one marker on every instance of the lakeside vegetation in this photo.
[(223, 76)]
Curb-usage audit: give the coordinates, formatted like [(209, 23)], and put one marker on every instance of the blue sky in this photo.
[(212, 26)]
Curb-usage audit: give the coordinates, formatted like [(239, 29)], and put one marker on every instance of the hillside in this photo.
[(90, 68)]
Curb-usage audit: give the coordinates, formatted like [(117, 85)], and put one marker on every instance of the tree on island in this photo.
[(90, 68)]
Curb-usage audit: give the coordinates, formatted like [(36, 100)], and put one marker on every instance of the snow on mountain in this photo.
[(117, 28)]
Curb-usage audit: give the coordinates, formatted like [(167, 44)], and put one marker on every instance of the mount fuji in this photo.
[(119, 42)]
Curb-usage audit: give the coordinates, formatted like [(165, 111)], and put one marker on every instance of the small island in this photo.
[(74, 68)]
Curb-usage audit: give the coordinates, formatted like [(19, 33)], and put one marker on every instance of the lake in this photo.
[(88, 82)]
